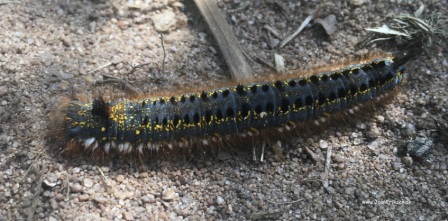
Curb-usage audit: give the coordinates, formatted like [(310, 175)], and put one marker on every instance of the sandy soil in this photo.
[(50, 49)]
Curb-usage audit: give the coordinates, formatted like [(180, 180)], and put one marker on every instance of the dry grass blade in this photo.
[(386, 30), (302, 26)]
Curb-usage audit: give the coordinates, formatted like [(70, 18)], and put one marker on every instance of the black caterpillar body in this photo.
[(137, 125)]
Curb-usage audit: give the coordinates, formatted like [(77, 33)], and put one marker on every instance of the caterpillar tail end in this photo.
[(57, 128), (402, 58)]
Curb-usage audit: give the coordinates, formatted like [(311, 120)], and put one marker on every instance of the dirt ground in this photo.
[(56, 48)]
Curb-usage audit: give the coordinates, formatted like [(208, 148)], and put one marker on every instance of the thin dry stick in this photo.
[(263, 144), (302, 26), (34, 161), (312, 154), (135, 67), (100, 67), (328, 160), (35, 198), (265, 63), (280, 203), (164, 54), (327, 165), (104, 177), (272, 30), (271, 214), (163, 61), (254, 154), (65, 185)]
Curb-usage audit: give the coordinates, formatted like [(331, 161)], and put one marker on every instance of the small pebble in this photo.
[(120, 195), (357, 2), (409, 130), (49, 184), (178, 5), (88, 182), (128, 216), (168, 195), (123, 25), (397, 166), (76, 170), (54, 205), (164, 21), (445, 62), (419, 147), (357, 141), (99, 199), (373, 145), (361, 126), (220, 200), (3, 91), (308, 196), (147, 198), (211, 210), (323, 144), (46, 193), (407, 160), (59, 197), (83, 198), (116, 59), (120, 178), (76, 188), (182, 180), (96, 187)]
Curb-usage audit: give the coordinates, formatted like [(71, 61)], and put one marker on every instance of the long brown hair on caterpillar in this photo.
[(219, 116)]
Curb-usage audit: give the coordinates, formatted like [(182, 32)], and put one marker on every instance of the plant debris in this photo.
[(328, 23), (411, 32)]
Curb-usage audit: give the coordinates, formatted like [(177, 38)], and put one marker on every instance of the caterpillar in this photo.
[(151, 123)]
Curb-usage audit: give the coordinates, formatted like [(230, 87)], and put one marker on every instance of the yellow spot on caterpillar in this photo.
[(104, 138), (103, 129), (137, 132)]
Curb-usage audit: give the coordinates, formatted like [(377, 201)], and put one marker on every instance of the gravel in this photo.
[(50, 49)]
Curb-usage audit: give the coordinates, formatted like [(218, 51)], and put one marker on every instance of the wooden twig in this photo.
[(327, 166), (272, 30), (38, 190), (280, 203), (312, 154), (100, 67), (227, 42), (164, 53), (328, 160), (263, 144), (302, 26), (104, 177), (32, 164), (265, 215), (260, 60)]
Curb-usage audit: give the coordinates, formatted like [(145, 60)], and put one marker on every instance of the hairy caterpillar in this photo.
[(142, 125)]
